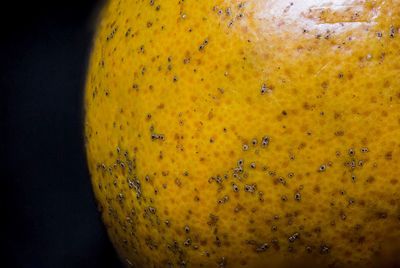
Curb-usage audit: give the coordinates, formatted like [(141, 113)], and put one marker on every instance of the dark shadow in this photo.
[(49, 215)]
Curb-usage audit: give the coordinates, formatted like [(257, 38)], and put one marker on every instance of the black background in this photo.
[(48, 214)]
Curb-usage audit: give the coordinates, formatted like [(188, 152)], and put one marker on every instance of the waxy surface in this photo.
[(247, 134)]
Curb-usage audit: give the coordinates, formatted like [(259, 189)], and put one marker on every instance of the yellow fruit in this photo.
[(222, 133)]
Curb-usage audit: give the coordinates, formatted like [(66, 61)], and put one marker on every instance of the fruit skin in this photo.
[(247, 134)]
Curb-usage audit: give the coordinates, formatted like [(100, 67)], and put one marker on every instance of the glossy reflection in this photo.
[(319, 17)]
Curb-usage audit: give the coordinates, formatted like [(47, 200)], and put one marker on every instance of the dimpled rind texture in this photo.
[(247, 134)]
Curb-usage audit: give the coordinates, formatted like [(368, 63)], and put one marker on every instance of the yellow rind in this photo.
[(208, 77)]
